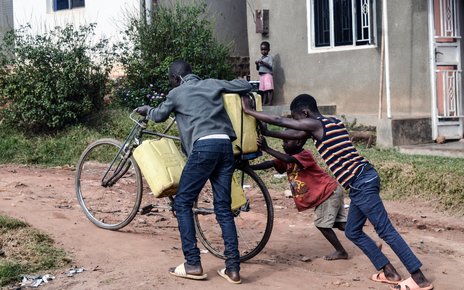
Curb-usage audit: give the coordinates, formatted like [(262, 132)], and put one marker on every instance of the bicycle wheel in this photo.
[(253, 221), (112, 206)]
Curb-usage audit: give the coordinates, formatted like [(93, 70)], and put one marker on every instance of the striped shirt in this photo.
[(338, 152)]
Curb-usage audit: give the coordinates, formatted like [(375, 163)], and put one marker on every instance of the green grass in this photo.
[(26, 251), (436, 179)]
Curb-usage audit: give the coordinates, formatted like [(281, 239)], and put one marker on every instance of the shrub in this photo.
[(176, 31), (53, 79)]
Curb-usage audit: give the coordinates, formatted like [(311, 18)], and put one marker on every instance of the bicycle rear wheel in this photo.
[(108, 206), (253, 221)]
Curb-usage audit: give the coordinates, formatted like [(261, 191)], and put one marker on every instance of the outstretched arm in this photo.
[(308, 125), (263, 165), (262, 143)]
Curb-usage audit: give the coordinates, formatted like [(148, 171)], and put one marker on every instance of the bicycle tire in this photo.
[(111, 207), (253, 221)]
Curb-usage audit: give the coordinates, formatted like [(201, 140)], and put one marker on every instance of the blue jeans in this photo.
[(211, 159), (367, 204)]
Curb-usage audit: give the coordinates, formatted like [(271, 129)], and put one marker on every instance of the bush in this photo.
[(179, 31), (54, 79)]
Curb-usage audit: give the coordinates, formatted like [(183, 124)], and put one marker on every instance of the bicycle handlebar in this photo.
[(142, 122)]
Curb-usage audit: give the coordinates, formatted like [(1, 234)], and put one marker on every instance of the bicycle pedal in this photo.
[(146, 209)]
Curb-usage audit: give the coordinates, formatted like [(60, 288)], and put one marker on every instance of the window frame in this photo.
[(70, 6), (361, 43)]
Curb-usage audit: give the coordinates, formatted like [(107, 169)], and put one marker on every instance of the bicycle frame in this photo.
[(133, 140)]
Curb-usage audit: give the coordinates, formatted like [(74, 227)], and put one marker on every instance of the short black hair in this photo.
[(302, 140), (267, 44), (304, 101), (180, 68)]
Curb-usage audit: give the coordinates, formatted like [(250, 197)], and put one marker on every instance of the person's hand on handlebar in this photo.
[(143, 110)]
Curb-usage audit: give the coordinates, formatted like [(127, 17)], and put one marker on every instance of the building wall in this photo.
[(349, 79), (229, 17), (108, 14), (409, 55), (6, 17)]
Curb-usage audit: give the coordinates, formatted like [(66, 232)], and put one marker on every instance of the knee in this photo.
[(353, 234), (386, 231)]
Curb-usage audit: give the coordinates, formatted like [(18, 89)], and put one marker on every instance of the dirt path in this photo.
[(138, 257)]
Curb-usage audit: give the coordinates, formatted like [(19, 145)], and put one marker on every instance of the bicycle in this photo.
[(109, 186)]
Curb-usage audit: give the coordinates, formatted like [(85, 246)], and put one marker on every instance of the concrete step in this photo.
[(448, 149)]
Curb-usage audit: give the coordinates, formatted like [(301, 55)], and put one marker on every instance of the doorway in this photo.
[(446, 18)]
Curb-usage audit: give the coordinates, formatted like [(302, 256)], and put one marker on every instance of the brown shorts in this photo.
[(331, 211)]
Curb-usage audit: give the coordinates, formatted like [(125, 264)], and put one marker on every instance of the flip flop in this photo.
[(410, 284), (222, 273), (380, 277), (179, 271)]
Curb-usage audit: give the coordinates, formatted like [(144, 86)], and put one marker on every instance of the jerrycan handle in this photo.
[(253, 101)]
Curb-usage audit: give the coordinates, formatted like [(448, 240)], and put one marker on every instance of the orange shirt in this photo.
[(310, 185)]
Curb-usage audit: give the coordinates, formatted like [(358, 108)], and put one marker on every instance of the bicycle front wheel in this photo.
[(253, 221), (108, 205)]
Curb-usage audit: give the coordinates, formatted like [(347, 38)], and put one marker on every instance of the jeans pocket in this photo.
[(363, 182)]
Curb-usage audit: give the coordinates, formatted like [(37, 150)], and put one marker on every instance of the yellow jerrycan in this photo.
[(238, 195), (244, 125), (161, 164)]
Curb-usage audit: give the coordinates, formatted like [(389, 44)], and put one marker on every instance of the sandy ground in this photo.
[(139, 256)]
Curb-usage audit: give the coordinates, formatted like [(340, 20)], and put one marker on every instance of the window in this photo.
[(67, 4), (341, 24)]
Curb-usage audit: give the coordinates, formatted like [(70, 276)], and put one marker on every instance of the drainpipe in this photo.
[(149, 8), (387, 57), (432, 69)]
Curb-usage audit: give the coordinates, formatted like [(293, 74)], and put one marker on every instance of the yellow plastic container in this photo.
[(161, 164), (238, 195), (244, 125)]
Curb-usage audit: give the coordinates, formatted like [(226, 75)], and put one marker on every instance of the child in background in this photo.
[(264, 68), (311, 187)]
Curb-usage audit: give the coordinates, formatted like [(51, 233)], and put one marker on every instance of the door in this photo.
[(448, 108)]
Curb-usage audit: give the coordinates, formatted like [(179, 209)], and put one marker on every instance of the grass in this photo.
[(26, 251), (436, 179)]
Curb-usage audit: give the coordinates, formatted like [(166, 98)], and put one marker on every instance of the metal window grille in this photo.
[(67, 4), (343, 22), (343, 27), (322, 23), (363, 22), (448, 20), (452, 105)]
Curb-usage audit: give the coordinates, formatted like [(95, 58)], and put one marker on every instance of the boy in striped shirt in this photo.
[(358, 176)]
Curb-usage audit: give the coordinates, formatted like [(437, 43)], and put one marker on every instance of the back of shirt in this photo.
[(338, 152), (310, 185), (199, 108)]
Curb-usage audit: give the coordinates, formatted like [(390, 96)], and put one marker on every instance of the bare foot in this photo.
[(336, 256)]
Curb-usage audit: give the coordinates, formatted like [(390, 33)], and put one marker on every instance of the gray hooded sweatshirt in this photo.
[(199, 109)]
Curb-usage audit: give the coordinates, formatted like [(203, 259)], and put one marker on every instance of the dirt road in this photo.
[(138, 256)]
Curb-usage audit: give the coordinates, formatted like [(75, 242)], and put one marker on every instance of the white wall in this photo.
[(108, 14)]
